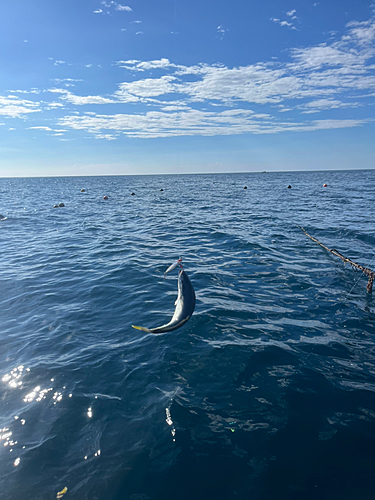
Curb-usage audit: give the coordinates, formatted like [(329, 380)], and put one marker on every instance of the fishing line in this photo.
[(357, 279), (179, 210), (356, 267)]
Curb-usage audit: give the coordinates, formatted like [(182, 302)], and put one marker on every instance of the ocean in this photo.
[(267, 393)]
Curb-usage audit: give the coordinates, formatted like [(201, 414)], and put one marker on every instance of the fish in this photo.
[(185, 305), (175, 264)]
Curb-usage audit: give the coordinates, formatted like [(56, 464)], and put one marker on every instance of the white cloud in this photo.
[(13, 107), (221, 31), (315, 57), (41, 128), (291, 15), (362, 32), (136, 65), (213, 99), (150, 87), (81, 100), (117, 6), (318, 78), (324, 104), (123, 7), (108, 137), (283, 23), (162, 63), (175, 108), (193, 122), (31, 91)]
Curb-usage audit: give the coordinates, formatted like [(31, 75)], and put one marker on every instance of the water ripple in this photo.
[(271, 382)]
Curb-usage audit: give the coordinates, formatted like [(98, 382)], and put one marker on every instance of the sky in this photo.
[(94, 87)]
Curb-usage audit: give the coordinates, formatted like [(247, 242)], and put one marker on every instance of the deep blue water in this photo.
[(267, 393)]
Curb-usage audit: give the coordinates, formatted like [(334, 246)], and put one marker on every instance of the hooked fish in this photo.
[(185, 304)]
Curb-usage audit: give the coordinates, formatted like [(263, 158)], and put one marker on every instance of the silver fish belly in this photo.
[(185, 304)]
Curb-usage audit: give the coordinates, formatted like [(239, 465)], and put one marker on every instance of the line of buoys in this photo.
[(324, 185), (105, 197)]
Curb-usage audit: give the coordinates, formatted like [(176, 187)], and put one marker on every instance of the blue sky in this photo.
[(95, 87)]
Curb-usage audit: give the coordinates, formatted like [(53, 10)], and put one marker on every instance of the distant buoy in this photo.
[(82, 190), (55, 206), (162, 190), (105, 197), (132, 194), (61, 204), (325, 185), (245, 187), (289, 187)]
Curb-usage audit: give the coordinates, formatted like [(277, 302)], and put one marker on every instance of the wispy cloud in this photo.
[(13, 107), (81, 100), (48, 129), (67, 81), (194, 122), (221, 31), (31, 91), (291, 16), (324, 104), (112, 5), (214, 99), (282, 23), (123, 7)]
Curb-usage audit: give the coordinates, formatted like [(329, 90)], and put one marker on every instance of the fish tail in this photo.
[(141, 328)]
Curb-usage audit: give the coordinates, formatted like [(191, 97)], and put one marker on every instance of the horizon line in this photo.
[(183, 173)]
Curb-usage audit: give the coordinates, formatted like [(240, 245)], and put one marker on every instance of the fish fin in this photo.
[(141, 328)]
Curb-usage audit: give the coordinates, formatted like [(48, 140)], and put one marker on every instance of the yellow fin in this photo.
[(141, 328), (62, 492)]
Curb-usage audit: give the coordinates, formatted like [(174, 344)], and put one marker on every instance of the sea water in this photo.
[(267, 393)]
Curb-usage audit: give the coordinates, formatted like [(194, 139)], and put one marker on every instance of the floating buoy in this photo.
[(132, 194), (162, 190), (325, 185), (55, 206), (82, 190), (289, 187), (245, 187), (61, 204), (105, 197)]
